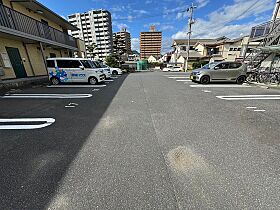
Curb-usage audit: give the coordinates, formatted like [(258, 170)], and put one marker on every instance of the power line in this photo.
[(233, 19)]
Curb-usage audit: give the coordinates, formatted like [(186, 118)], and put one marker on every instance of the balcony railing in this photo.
[(12, 19), (264, 29)]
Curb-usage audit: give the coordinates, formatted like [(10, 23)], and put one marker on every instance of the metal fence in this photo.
[(12, 19)]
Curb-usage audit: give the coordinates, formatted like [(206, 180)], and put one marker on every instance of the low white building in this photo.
[(152, 59)]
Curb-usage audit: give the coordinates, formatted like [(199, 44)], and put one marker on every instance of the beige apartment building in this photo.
[(150, 43), (29, 34), (122, 42), (209, 50)]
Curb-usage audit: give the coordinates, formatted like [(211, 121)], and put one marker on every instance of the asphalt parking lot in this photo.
[(151, 140)]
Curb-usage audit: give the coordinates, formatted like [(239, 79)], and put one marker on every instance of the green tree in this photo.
[(91, 48), (112, 61)]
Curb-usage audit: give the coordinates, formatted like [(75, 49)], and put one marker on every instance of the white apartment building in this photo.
[(95, 29)]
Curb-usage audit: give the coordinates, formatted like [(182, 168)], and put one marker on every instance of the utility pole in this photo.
[(190, 23)]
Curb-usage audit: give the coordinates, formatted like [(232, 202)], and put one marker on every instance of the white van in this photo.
[(62, 70)]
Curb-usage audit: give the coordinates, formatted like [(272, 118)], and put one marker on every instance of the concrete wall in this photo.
[(35, 55), (9, 72), (201, 49)]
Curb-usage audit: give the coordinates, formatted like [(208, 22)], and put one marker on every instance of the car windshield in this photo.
[(210, 65), (97, 64)]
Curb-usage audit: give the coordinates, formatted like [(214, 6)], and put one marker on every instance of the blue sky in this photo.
[(214, 18)]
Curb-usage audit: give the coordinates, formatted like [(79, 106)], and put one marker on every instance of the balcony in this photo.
[(262, 30), (18, 24)]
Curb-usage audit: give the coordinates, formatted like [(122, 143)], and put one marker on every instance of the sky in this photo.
[(213, 18)]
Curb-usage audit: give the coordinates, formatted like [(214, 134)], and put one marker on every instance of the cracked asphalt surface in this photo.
[(144, 141)]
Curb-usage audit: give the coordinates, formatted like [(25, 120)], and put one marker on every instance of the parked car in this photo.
[(62, 70), (172, 68), (220, 71), (106, 70), (114, 71)]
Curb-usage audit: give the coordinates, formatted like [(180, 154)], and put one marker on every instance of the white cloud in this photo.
[(122, 25), (140, 11), (202, 3), (166, 27), (221, 22), (148, 1), (166, 45), (135, 44)]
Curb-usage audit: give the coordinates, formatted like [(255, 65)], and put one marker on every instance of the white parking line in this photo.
[(259, 110), (207, 91), (250, 97), (178, 77), (60, 96), (46, 122), (251, 107), (75, 86), (182, 80), (220, 86)]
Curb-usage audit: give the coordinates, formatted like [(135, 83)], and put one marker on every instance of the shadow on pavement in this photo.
[(34, 162)]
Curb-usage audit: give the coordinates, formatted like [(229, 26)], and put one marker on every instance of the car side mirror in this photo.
[(82, 68)]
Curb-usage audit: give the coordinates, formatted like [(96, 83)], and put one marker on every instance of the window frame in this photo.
[(50, 66), (235, 63), (58, 62), (222, 64)]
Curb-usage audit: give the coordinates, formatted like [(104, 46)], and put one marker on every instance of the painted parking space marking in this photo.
[(178, 77), (95, 90), (44, 123), (183, 80), (171, 75), (251, 107), (47, 96), (71, 105), (259, 110), (220, 86), (250, 97), (75, 86), (207, 91)]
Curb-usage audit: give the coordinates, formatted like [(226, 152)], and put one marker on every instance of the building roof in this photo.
[(193, 54), (135, 52), (192, 41), (46, 12)]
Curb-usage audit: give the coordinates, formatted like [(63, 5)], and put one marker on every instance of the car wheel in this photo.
[(115, 73), (241, 80), (205, 80), (55, 81), (92, 80)]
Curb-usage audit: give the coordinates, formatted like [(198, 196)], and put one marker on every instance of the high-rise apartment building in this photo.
[(122, 42), (150, 43), (96, 30)]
